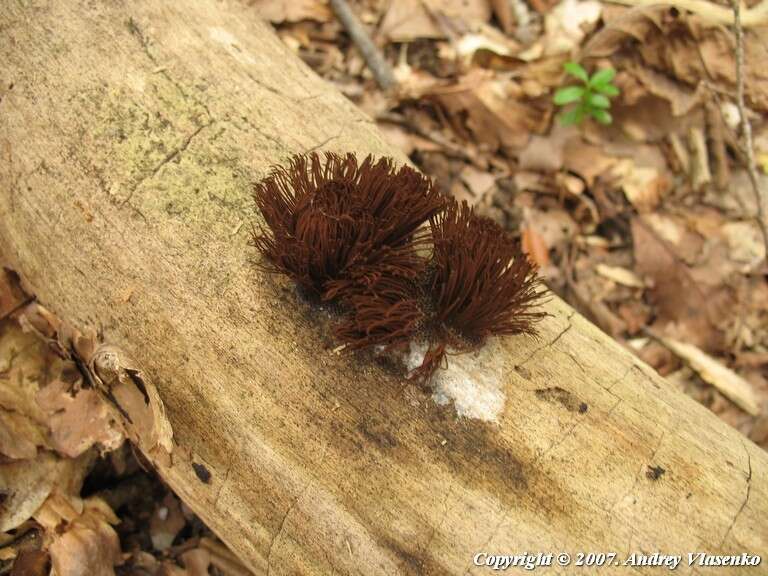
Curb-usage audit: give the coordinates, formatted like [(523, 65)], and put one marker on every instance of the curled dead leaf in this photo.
[(135, 398)]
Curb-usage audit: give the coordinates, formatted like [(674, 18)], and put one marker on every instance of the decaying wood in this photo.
[(132, 131)]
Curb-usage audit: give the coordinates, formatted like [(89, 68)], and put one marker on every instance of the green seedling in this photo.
[(591, 97)]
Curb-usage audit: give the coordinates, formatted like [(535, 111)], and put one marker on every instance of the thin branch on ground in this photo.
[(373, 57), (449, 148), (746, 127)]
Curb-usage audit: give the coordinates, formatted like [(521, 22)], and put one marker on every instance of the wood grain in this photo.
[(129, 133)]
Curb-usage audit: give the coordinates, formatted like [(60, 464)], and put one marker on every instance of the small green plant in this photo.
[(591, 97)]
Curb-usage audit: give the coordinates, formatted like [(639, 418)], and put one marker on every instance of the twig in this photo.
[(755, 16), (700, 172), (449, 148), (716, 131), (746, 127), (379, 67)]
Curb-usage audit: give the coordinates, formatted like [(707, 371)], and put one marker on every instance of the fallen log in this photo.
[(130, 134)]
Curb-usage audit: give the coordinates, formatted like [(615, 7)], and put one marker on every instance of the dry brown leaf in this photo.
[(683, 47), (35, 411), (679, 298), (117, 378), (197, 561), (19, 436), (479, 182), (745, 243), (567, 24), (24, 363), (542, 154), (279, 11), (143, 563), (88, 545), (635, 23), (488, 40), (555, 226), (535, 247), (32, 563), (78, 418), (533, 182), (26, 484), (685, 243), (44, 488), (643, 186), (488, 110), (681, 98), (413, 83), (730, 384), (635, 314), (406, 20), (586, 160), (398, 137)]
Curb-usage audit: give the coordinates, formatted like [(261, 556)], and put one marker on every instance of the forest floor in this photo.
[(643, 221)]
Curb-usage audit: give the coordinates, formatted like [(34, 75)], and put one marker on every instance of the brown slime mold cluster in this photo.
[(401, 261)]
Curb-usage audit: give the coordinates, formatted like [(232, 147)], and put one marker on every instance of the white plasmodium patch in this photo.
[(472, 381)]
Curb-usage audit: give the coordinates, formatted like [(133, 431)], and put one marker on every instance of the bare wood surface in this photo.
[(129, 134)]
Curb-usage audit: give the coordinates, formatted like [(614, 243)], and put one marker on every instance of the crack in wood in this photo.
[(746, 495), (552, 342)]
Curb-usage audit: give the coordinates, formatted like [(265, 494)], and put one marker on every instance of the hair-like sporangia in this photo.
[(481, 284), (353, 233), (333, 223)]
